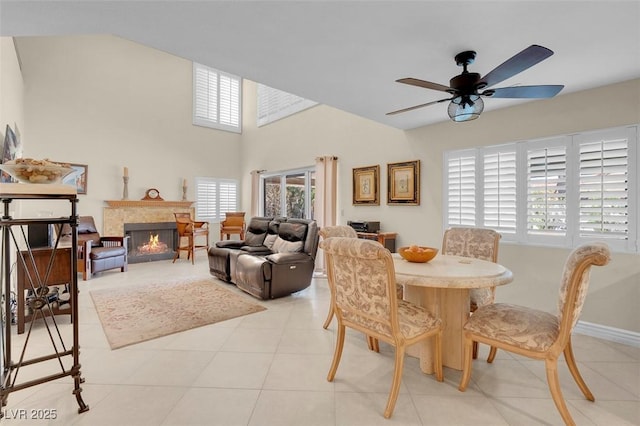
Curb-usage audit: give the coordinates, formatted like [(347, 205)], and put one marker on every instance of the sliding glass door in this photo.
[(290, 193)]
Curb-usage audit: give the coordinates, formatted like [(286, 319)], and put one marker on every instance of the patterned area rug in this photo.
[(134, 315)]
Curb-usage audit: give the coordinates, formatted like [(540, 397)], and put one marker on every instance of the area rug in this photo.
[(141, 313)]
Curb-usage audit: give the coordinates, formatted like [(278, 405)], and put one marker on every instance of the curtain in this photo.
[(255, 193), (325, 212)]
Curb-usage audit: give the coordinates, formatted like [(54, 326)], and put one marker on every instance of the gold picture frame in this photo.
[(366, 186), (403, 184)]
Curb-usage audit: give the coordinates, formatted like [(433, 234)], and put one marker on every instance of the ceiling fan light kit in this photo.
[(465, 108), (466, 103)]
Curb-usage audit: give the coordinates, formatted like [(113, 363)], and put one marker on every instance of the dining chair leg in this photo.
[(337, 354), (475, 350), (395, 385), (466, 367), (573, 368), (372, 344), (492, 354), (330, 314), (551, 366), (437, 357)]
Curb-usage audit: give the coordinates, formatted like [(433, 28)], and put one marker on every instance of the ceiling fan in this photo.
[(468, 88)]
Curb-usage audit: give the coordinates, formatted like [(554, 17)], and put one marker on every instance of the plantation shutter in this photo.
[(461, 190), (274, 104), (215, 197), (228, 191), (229, 101), (547, 191), (206, 94), (500, 191), (216, 99), (604, 197)]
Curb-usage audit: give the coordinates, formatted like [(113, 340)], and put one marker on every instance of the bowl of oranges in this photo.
[(417, 254)]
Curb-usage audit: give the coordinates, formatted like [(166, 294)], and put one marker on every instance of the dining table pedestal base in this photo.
[(452, 306)]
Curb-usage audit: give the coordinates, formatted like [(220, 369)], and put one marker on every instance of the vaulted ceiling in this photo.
[(348, 54)]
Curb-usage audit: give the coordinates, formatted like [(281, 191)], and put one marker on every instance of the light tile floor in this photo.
[(270, 368)]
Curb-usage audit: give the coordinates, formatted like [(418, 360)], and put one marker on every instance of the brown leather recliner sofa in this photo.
[(276, 258)]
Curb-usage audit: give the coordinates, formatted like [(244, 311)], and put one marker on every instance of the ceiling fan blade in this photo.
[(547, 91), (417, 106), (425, 84), (516, 64)]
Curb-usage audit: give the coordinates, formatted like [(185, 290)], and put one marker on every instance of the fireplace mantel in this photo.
[(148, 203), (119, 212)]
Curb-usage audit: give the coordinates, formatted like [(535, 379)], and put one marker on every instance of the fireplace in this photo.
[(149, 242)]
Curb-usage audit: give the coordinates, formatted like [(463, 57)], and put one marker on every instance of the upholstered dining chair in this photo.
[(365, 299), (233, 224), (188, 232), (347, 232), (537, 334), (479, 243)]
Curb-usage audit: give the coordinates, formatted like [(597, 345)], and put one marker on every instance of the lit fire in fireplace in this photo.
[(153, 246)]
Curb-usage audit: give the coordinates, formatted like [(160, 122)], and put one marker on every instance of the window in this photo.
[(274, 104), (499, 190), (604, 190), (547, 190), (216, 99), (290, 193), (560, 191), (215, 197), (461, 197)]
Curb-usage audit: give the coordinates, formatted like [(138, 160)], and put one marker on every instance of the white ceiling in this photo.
[(349, 54)]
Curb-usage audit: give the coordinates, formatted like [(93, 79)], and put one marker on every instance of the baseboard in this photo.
[(626, 337)]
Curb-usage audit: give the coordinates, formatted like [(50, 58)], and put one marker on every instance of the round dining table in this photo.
[(442, 286)]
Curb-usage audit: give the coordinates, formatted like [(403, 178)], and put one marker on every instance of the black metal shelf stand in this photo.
[(64, 358)]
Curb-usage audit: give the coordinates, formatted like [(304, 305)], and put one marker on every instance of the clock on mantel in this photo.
[(152, 194)]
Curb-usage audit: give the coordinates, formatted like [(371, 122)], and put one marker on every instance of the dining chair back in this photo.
[(365, 299), (539, 334)]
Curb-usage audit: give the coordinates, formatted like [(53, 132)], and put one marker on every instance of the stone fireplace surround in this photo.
[(119, 212)]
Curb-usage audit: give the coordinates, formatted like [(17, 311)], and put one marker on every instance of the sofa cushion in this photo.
[(269, 240), (106, 252), (293, 231), (283, 246), (256, 250), (256, 231)]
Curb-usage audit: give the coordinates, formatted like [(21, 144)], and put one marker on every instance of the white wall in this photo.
[(11, 90), (109, 103)]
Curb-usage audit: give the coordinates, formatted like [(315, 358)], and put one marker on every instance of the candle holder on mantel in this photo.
[(125, 189), (184, 192)]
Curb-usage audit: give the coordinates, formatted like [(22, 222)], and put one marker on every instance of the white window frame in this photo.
[(308, 173), (572, 143), (220, 94), (213, 203), (274, 104)]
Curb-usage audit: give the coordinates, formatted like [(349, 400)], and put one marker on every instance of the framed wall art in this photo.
[(403, 184), (366, 185), (78, 177)]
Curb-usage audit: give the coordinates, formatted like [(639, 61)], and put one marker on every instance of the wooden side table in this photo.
[(60, 274), (387, 239)]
